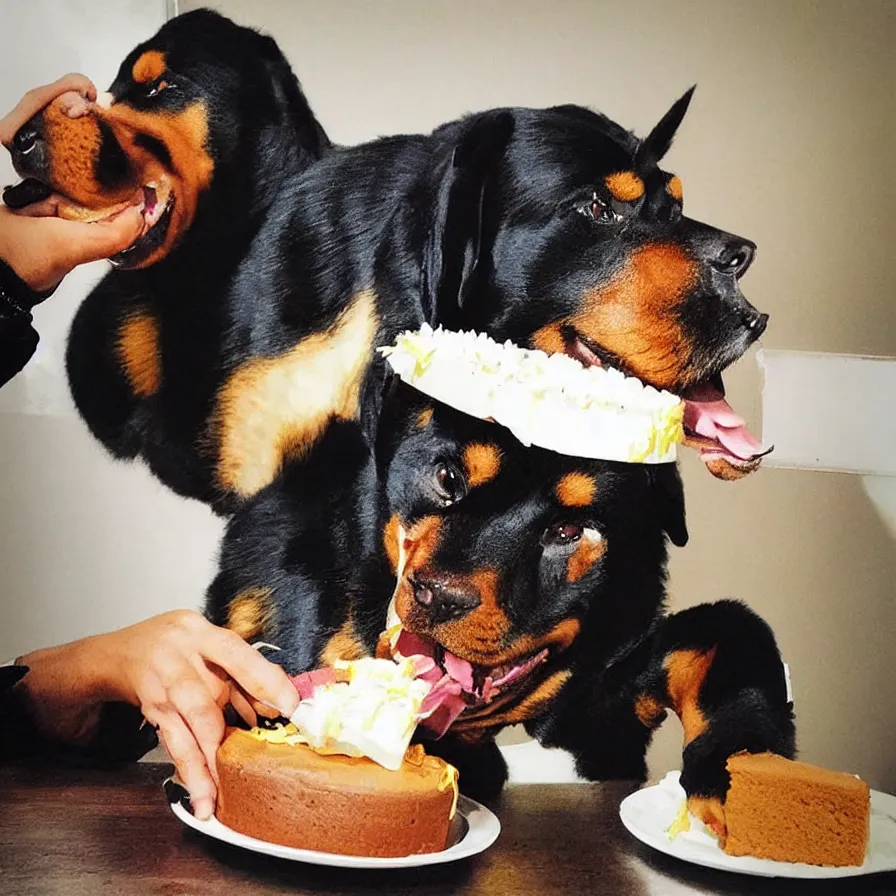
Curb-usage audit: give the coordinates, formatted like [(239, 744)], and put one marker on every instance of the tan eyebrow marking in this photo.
[(576, 490), (482, 461), (674, 188), (625, 186)]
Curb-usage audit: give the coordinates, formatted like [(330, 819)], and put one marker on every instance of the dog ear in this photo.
[(294, 108), (658, 142), (668, 496), (453, 248)]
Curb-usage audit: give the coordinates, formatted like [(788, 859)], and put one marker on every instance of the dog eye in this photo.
[(156, 88), (562, 533), (599, 211), (449, 484)]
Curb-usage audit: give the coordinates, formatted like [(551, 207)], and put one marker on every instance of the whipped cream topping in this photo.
[(373, 713), (550, 401)]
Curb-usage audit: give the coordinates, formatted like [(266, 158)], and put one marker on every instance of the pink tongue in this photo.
[(707, 414), (446, 698)]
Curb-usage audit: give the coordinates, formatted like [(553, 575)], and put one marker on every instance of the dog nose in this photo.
[(25, 139), (443, 602), (734, 257)]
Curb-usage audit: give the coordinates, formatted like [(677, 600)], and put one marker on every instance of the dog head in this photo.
[(558, 229), (204, 100), (520, 566)]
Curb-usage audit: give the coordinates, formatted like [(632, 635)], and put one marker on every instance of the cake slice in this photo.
[(790, 811), (550, 401)]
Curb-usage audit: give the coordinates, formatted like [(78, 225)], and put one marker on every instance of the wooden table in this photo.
[(70, 832)]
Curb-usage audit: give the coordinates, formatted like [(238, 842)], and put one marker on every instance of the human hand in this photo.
[(181, 671), (37, 245), (42, 250), (35, 100)]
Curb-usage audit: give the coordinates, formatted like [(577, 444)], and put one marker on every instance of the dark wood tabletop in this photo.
[(71, 832)]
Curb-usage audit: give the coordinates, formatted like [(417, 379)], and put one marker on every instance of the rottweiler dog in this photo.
[(543, 575), (244, 321)]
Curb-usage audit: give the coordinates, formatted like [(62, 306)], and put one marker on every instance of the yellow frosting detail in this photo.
[(282, 734), (681, 824), (449, 779)]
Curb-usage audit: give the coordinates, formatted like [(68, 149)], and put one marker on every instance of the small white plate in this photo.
[(647, 814), (474, 829)]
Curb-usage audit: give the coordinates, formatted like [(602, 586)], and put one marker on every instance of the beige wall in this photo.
[(789, 141)]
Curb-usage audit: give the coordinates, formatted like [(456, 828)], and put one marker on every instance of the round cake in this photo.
[(288, 793)]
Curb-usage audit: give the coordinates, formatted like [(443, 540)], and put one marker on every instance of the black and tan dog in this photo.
[(545, 573), (244, 321)]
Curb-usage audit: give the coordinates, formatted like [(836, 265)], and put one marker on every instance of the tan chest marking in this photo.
[(274, 408), (250, 613), (138, 353), (344, 644)]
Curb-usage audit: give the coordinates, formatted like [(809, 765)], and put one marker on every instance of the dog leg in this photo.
[(717, 666)]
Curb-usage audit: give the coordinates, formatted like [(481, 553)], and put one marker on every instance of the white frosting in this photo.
[(373, 714), (550, 401)]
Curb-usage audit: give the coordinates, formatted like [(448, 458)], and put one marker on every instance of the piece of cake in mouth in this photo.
[(341, 776), (790, 811), (292, 795)]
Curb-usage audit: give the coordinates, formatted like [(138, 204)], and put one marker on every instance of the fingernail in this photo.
[(203, 809)]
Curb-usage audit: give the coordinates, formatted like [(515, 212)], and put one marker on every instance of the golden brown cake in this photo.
[(289, 794), (794, 812)]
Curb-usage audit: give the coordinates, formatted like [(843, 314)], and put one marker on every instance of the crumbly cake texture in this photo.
[(289, 794), (790, 811), (550, 401)]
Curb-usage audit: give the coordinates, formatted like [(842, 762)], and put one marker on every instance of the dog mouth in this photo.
[(459, 688), (711, 425), (156, 201), (157, 212)]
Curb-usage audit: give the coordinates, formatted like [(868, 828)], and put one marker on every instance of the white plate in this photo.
[(475, 827), (648, 813)]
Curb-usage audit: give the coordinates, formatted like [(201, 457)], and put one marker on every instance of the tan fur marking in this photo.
[(250, 613), (649, 710), (482, 461), (686, 671), (589, 549), (345, 644), (390, 541), (138, 352), (634, 315), (484, 648), (549, 339), (625, 186), (274, 408), (674, 188), (149, 66), (424, 418), (576, 490)]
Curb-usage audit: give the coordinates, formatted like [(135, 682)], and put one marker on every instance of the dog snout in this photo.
[(443, 601)]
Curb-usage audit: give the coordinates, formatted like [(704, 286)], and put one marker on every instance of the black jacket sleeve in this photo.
[(18, 338), (121, 735)]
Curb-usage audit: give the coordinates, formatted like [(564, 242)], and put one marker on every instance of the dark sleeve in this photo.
[(121, 734), (18, 338)]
